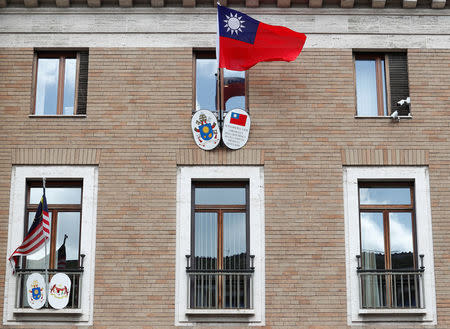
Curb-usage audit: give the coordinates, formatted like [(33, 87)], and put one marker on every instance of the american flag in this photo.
[(37, 234)]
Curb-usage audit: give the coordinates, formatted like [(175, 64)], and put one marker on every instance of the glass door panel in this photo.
[(67, 240), (401, 240)]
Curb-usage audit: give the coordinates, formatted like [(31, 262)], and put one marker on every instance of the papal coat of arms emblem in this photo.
[(205, 129), (36, 291)]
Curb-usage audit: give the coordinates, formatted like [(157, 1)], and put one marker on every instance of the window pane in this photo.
[(67, 250), (372, 240), (234, 241), (205, 240), (383, 74), (56, 195), (69, 86), (366, 88), (222, 196), (38, 259), (401, 240), (385, 195), (47, 86), (205, 84), (234, 89)]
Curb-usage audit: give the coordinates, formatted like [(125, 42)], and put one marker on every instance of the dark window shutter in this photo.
[(83, 82), (398, 79)]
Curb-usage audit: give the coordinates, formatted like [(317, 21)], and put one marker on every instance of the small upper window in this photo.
[(218, 95), (381, 82), (60, 83)]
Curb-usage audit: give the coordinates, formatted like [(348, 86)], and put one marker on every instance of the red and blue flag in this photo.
[(238, 119), (244, 41)]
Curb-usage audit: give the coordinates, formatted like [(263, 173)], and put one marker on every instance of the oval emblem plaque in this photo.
[(36, 290), (236, 128), (59, 291), (205, 129)]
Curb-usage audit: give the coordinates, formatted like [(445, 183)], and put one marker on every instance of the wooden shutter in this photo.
[(398, 81), (83, 82)]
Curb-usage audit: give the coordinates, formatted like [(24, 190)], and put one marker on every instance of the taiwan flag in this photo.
[(238, 119), (243, 41)]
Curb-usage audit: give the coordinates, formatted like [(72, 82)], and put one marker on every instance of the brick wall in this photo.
[(138, 119)]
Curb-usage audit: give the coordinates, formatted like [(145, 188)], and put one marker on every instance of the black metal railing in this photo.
[(220, 289), (75, 275), (396, 289)]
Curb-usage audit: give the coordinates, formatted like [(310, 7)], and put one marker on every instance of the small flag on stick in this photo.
[(36, 236)]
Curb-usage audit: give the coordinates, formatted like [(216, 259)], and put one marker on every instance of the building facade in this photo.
[(333, 215)]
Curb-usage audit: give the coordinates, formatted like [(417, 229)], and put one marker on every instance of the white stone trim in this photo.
[(19, 175), (424, 242), (148, 27), (255, 175)]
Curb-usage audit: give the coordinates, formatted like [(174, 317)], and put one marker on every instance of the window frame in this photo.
[(386, 209), (220, 104), (62, 56), (378, 57), (424, 242), (53, 209), (13, 315), (219, 209), (185, 176)]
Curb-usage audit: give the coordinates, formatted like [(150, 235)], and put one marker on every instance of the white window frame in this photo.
[(19, 176), (351, 175), (185, 176)]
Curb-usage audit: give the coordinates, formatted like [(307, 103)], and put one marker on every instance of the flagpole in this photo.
[(218, 76), (46, 260)]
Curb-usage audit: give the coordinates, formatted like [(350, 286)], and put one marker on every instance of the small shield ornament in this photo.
[(205, 129), (59, 291), (36, 295)]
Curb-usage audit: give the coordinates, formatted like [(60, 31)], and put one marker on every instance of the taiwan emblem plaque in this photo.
[(36, 291), (205, 129), (236, 128)]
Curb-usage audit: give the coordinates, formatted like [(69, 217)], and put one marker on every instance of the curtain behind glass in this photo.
[(372, 246), (366, 88), (205, 240)]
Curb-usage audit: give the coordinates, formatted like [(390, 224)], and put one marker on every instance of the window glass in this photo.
[(205, 240), (401, 240), (384, 90), (371, 88), (69, 86), (39, 259), (205, 84), (223, 195), (67, 239), (234, 89), (47, 86), (372, 240), (56, 195), (234, 240), (385, 195)]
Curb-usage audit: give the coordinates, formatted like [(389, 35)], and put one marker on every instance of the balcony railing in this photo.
[(75, 275), (220, 289), (391, 289)]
